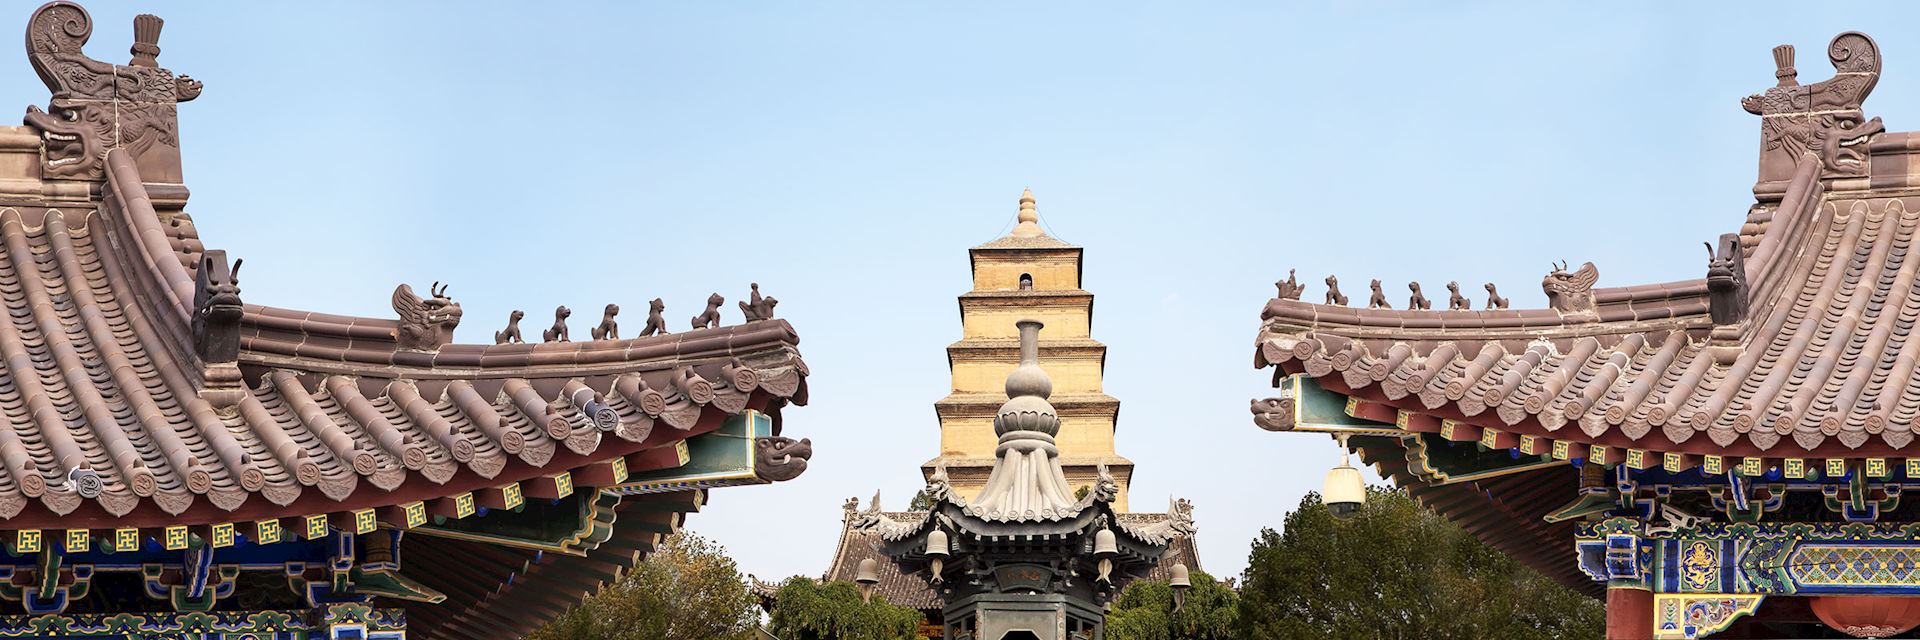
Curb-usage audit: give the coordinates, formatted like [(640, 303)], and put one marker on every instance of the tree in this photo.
[(808, 610), (687, 590), (1397, 570), (921, 501), (1144, 611)]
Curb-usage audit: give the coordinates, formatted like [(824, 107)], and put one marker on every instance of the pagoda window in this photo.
[(1026, 282)]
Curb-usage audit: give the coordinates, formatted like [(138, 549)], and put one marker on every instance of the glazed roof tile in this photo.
[(96, 380), (1820, 365)]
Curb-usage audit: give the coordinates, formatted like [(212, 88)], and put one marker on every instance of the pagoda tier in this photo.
[(1706, 440), (161, 435)]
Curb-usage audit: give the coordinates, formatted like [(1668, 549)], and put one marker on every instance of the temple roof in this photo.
[(140, 391), (1794, 344)]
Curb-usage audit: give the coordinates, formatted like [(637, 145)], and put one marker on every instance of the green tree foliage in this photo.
[(1397, 570), (807, 610), (922, 501), (687, 590), (1144, 611)]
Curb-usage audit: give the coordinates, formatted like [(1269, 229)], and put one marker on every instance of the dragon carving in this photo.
[(1571, 292), (425, 324), (1823, 118), (777, 459), (216, 329), (99, 106), (1727, 281), (1273, 414)]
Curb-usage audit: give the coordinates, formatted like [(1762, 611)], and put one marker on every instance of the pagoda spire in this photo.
[(1029, 226), (1026, 482)]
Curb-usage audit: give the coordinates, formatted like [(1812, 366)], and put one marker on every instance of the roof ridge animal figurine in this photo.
[(608, 329), (1379, 298), (1290, 289), (558, 332), (1571, 291), (1417, 300), (1455, 301), (1334, 297), (1494, 301), (656, 318), (711, 317), (511, 334), (426, 324), (758, 308)]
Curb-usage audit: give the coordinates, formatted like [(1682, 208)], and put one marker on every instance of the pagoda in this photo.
[(1024, 274), (1720, 456), (175, 461), (1027, 273)]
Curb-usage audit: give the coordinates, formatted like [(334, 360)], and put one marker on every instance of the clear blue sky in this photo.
[(845, 156)]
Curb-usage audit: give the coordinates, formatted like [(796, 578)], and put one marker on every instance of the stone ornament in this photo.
[(1334, 297), (1273, 414), (1290, 289), (99, 106), (1727, 280), (1418, 300), (557, 332), (777, 459), (1455, 301), (758, 308), (1823, 118), (1494, 300), (656, 320), (710, 318), (425, 324), (1571, 291), (608, 328), (1379, 298), (217, 309), (511, 334)]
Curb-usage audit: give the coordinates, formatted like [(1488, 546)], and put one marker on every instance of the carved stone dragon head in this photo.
[(778, 459), (217, 308), (425, 324), (1571, 291)]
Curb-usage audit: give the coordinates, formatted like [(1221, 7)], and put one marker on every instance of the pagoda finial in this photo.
[(1029, 217), (1026, 481)]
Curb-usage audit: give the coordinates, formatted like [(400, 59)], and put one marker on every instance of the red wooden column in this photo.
[(1629, 613)]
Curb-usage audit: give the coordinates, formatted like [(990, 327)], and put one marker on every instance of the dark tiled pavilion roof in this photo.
[(860, 541)]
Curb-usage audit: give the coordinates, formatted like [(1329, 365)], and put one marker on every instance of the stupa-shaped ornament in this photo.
[(1026, 482)]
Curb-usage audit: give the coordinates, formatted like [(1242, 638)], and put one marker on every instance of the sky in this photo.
[(845, 155)]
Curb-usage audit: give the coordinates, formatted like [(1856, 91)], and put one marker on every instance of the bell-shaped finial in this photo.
[(937, 545), (1104, 543), (146, 40)]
